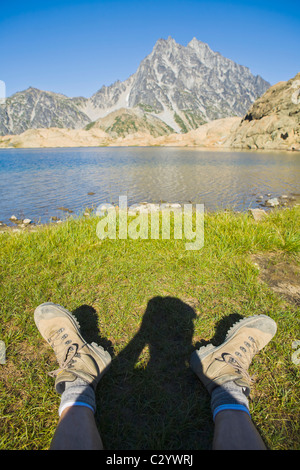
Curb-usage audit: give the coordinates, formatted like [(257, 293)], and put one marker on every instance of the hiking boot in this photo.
[(75, 356), (216, 365)]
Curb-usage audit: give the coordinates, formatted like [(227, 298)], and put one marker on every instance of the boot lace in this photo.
[(242, 358), (65, 355)]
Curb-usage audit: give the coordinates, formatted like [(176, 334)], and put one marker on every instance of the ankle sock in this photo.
[(229, 396), (77, 393)]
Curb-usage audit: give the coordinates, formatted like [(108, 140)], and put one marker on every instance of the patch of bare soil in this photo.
[(281, 272)]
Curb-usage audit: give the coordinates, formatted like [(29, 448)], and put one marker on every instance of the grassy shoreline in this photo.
[(150, 302)]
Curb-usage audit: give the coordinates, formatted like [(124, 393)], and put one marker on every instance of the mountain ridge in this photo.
[(271, 123), (183, 86)]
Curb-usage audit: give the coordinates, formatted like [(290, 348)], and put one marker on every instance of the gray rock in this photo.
[(272, 202), (296, 354), (258, 214), (2, 352)]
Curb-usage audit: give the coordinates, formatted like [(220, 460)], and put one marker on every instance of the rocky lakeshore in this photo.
[(266, 203)]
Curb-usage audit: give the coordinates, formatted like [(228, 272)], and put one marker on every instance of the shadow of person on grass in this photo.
[(150, 398)]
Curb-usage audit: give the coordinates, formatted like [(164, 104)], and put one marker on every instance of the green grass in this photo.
[(150, 302)]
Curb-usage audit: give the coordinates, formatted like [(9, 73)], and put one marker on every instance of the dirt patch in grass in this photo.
[(281, 272)]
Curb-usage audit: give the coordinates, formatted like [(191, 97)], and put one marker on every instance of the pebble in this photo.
[(2, 353), (296, 354)]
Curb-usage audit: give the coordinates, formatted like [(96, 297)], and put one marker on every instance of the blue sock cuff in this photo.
[(77, 393), (230, 406), (229, 396)]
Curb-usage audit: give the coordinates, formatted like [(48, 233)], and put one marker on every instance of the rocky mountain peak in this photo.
[(184, 86), (198, 45)]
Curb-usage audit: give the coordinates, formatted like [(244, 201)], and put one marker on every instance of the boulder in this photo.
[(272, 202), (258, 214)]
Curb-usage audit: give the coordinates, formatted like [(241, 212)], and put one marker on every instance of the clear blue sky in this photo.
[(75, 47)]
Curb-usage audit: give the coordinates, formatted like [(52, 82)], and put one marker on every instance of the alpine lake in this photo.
[(47, 185)]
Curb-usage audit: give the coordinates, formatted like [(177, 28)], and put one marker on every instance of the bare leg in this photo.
[(234, 430), (76, 430)]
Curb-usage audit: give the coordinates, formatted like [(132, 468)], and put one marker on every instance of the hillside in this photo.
[(273, 121), (125, 122)]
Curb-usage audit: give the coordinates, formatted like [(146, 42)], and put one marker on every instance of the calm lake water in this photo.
[(35, 183)]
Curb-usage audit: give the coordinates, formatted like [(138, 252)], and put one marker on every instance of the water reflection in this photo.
[(35, 183)]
